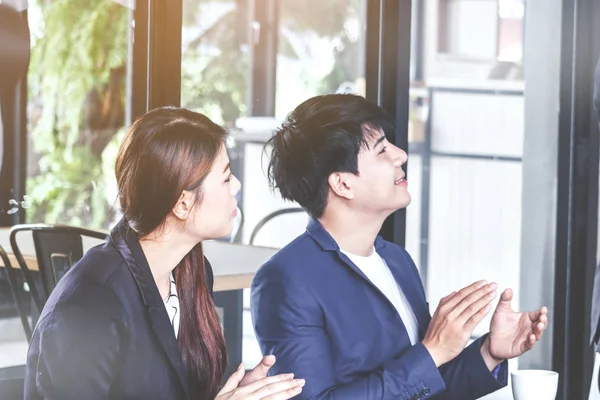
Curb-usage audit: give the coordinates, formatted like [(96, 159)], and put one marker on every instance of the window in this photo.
[(215, 58), (481, 29), (483, 181), (76, 109), (321, 50)]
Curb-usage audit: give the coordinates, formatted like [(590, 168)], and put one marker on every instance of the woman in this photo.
[(135, 318)]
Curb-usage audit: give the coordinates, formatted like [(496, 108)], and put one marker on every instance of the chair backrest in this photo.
[(12, 389), (13, 284), (271, 216), (57, 248)]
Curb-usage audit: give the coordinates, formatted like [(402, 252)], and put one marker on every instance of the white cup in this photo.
[(534, 384)]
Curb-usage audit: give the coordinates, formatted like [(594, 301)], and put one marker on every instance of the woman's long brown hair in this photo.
[(167, 151)]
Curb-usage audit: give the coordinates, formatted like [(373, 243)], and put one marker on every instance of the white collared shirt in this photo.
[(376, 269), (172, 306)]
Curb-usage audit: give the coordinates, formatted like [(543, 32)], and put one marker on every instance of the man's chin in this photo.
[(399, 206), (404, 202)]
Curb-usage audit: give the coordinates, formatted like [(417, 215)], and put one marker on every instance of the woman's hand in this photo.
[(279, 387)]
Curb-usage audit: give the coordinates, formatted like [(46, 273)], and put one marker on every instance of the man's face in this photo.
[(380, 187)]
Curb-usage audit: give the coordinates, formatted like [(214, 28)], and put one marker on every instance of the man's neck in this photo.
[(355, 234)]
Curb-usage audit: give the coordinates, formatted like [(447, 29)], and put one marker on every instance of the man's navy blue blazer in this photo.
[(104, 332), (327, 323)]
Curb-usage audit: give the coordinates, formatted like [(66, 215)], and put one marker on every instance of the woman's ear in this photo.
[(184, 205)]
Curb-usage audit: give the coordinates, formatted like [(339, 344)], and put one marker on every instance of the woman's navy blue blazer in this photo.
[(104, 333)]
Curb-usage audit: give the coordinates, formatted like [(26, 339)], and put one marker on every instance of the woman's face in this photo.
[(215, 210)]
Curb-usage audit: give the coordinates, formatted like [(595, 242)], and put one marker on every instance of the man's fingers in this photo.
[(538, 328), (474, 302), (475, 306), (507, 295), (541, 314), (531, 341), (541, 323), (445, 299), (463, 293), (477, 318)]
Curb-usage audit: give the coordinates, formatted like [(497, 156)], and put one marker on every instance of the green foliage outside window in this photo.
[(77, 89)]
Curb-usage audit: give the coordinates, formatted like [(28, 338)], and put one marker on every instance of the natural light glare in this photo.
[(511, 9)]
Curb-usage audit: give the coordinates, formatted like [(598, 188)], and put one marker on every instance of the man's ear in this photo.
[(340, 183)]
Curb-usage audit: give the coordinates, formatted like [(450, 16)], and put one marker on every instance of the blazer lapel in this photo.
[(409, 285), (346, 260), (126, 241), (327, 243)]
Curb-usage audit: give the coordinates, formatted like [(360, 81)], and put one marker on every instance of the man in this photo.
[(346, 310)]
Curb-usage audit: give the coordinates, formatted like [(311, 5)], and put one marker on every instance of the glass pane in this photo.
[(76, 109), (510, 31), (483, 155), (321, 47), (321, 50), (215, 58), (498, 23)]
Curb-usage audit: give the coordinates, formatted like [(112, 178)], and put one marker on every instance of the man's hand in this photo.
[(259, 372), (454, 320), (512, 333)]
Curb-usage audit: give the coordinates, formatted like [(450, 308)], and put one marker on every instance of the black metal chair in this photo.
[(269, 217), (57, 248), (13, 284)]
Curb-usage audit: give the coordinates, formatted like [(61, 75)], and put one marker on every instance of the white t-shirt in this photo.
[(378, 272), (172, 306)]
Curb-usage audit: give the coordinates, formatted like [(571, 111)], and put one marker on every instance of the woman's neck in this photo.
[(164, 252)]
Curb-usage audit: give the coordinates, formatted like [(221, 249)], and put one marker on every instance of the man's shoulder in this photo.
[(302, 245), (301, 258)]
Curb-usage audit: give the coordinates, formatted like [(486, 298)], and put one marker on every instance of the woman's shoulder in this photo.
[(91, 285), (83, 324), (81, 311)]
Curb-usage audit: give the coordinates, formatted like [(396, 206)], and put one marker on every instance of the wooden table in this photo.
[(234, 265)]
